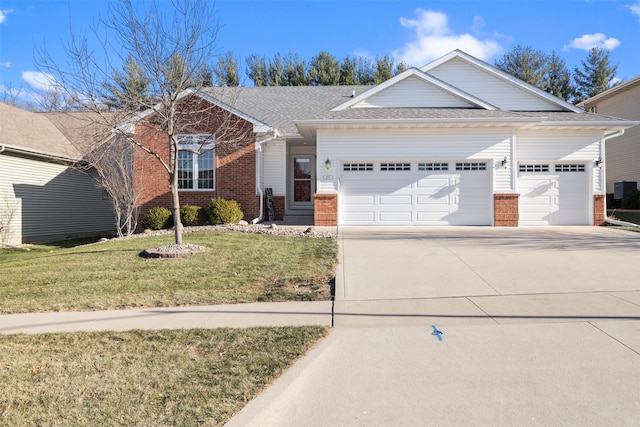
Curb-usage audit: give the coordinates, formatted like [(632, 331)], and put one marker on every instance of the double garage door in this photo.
[(415, 193), (554, 194)]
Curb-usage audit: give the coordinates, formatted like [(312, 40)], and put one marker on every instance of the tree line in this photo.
[(548, 72)]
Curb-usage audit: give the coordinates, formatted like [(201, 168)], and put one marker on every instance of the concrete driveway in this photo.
[(433, 262), (472, 326)]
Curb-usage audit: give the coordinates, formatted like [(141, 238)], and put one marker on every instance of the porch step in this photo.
[(298, 219)]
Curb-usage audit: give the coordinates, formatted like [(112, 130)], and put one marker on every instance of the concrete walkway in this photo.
[(214, 316)]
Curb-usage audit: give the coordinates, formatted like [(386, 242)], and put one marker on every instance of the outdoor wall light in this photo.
[(599, 163), (504, 162), (327, 163)]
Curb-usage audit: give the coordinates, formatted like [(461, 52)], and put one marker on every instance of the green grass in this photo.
[(152, 378), (238, 268)]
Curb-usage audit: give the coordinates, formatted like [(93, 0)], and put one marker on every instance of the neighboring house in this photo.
[(456, 142), (42, 197), (622, 155)]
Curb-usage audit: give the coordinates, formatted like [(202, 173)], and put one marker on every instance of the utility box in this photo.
[(622, 188)]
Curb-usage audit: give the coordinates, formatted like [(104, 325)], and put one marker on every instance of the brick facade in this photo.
[(235, 160), (325, 209), (599, 213), (506, 210)]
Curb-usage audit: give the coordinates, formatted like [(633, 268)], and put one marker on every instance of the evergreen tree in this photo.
[(129, 88), (383, 69), (348, 71), (257, 70), (295, 71), (226, 70), (276, 71), (400, 68), (324, 70), (558, 79), (596, 74), (364, 71), (526, 64)]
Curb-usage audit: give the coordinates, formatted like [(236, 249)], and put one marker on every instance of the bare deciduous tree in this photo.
[(173, 52)]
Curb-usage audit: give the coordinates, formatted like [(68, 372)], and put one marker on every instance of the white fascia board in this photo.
[(608, 125), (503, 75), (258, 126), (355, 123), (422, 76)]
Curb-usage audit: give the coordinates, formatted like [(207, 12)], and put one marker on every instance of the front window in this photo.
[(196, 162)]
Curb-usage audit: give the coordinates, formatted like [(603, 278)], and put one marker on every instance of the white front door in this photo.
[(302, 181)]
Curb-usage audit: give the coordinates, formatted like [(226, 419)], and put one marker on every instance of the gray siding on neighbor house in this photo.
[(49, 201)]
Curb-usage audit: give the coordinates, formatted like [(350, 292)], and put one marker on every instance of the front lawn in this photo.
[(142, 378), (239, 267)]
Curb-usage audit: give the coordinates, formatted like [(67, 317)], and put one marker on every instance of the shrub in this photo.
[(222, 211), (631, 200), (157, 218), (192, 215)]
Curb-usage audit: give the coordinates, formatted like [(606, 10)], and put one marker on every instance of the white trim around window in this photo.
[(196, 162)]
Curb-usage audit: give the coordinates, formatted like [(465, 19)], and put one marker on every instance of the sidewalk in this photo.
[(213, 316)]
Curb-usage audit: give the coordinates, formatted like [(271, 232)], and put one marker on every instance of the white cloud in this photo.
[(434, 38), (40, 81), (5, 64), (635, 8), (589, 41), (3, 14)]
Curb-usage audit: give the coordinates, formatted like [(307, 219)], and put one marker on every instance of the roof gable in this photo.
[(258, 126), (415, 89), (493, 85)]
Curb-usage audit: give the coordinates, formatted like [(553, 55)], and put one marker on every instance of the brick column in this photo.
[(506, 210), (325, 209), (598, 209)]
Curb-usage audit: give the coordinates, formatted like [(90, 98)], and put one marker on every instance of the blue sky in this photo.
[(414, 31)]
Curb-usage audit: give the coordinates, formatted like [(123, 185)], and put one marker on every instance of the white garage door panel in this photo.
[(415, 197), (554, 198)]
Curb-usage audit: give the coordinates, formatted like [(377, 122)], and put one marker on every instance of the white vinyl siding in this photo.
[(413, 93), (274, 159), (50, 201), (420, 145), (490, 88), (564, 146)]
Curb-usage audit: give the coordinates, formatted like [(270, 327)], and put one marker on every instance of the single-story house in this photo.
[(622, 155), (456, 142), (42, 196)]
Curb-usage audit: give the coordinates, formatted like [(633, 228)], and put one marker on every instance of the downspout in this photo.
[(606, 218), (2, 148), (273, 136)]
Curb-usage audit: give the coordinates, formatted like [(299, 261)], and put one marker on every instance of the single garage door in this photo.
[(554, 194), (415, 193)]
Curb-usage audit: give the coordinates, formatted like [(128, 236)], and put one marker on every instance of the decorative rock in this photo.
[(274, 226), (309, 230), (243, 222), (173, 251)]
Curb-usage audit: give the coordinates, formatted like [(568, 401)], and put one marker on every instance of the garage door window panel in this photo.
[(471, 166), (395, 167)]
